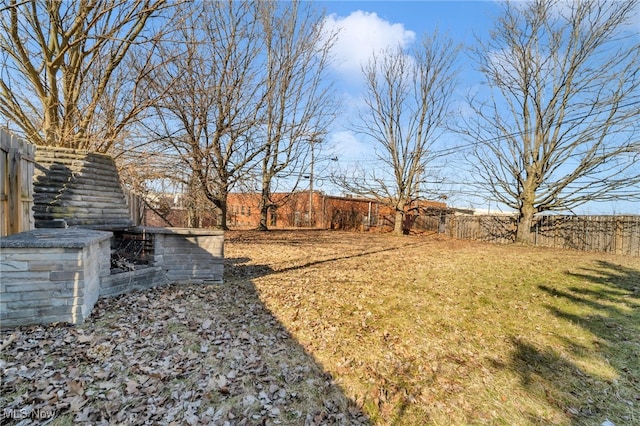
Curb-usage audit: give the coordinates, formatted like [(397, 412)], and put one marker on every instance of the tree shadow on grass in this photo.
[(607, 305), (387, 398)]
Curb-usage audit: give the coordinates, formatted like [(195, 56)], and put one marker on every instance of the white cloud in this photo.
[(359, 35), (346, 145)]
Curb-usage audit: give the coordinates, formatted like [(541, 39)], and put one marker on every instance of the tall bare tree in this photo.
[(407, 100), (560, 126), (210, 94), (298, 105), (60, 65)]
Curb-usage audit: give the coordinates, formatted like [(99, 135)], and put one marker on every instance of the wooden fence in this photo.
[(610, 234), (499, 229), (136, 206), (17, 163)]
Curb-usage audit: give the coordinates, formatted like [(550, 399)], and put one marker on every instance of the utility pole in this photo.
[(311, 187)]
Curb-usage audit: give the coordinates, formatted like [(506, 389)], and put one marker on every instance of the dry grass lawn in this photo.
[(320, 327), (425, 330)]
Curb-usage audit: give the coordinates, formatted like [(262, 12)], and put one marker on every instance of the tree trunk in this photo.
[(191, 216), (264, 217), (264, 208), (262, 226), (398, 226), (223, 210), (525, 219)]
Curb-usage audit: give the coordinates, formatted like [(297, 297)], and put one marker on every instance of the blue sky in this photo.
[(366, 26)]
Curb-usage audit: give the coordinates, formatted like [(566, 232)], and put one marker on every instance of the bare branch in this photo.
[(407, 100), (61, 59), (210, 95), (298, 105), (560, 128)]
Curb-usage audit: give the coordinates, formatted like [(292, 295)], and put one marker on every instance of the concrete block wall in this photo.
[(97, 266), (189, 255), (51, 275), (139, 279), (56, 275)]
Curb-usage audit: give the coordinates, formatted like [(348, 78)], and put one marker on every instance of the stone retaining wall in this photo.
[(189, 255), (57, 275), (127, 282), (51, 275), (57, 272), (77, 188)]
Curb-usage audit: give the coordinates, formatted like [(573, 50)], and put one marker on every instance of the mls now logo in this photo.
[(23, 413)]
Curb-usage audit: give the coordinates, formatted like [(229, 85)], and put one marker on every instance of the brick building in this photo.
[(299, 210)]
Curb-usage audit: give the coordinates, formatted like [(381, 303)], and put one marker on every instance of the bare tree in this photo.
[(153, 176), (407, 100), (210, 95), (60, 65), (560, 126), (298, 106)]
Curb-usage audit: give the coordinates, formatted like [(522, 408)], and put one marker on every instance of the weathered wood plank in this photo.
[(17, 164)]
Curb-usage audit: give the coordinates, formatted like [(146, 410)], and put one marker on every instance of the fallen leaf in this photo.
[(107, 385), (131, 387), (75, 403), (73, 372), (112, 394), (84, 338), (222, 381), (76, 387)]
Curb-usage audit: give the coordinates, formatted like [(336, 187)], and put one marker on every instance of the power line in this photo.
[(448, 151)]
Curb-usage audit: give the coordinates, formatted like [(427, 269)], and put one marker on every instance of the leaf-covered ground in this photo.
[(182, 354), (346, 328)]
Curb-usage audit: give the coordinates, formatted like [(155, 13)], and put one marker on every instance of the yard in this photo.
[(346, 328)]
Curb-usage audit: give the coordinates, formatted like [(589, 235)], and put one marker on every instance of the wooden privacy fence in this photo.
[(499, 229), (135, 203), (17, 163), (611, 234)]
